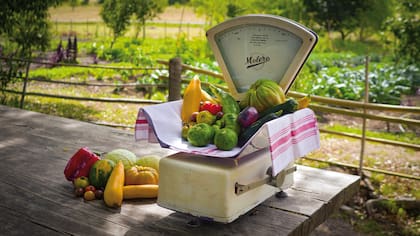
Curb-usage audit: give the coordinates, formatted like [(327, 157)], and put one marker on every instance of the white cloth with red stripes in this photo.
[(289, 137)]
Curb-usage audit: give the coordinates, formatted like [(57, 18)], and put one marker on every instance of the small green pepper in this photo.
[(230, 120)]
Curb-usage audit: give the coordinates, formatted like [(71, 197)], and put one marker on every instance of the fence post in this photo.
[(366, 100), (25, 82), (174, 83)]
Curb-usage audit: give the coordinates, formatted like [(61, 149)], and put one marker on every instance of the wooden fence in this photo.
[(319, 104)]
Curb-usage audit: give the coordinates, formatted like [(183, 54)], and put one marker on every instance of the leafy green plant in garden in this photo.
[(342, 76), (388, 83)]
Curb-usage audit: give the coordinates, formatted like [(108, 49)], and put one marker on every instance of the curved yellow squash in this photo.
[(191, 101), (113, 194)]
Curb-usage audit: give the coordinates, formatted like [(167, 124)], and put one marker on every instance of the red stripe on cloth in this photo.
[(293, 133), (289, 142), (304, 127), (291, 126), (141, 121)]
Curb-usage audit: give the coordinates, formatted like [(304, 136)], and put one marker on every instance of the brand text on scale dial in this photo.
[(252, 61)]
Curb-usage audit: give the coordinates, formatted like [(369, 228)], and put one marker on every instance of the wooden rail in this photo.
[(338, 106)]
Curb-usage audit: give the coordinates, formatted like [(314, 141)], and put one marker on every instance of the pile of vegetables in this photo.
[(113, 177), (217, 118)]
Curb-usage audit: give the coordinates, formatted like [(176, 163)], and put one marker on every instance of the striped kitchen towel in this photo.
[(291, 137), (288, 137)]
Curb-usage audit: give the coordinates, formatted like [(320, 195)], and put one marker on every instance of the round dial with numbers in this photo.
[(253, 47)]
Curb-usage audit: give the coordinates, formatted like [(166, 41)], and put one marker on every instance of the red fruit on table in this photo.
[(211, 107), (79, 192), (90, 188)]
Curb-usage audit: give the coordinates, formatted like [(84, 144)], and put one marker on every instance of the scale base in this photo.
[(206, 187)]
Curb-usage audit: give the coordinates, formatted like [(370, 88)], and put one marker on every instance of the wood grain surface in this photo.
[(36, 199)]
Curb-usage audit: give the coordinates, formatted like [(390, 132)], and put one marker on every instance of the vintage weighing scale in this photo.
[(247, 48)]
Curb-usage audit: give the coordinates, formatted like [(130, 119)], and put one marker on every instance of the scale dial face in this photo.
[(254, 47)]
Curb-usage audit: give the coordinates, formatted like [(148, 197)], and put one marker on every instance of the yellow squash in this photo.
[(113, 194), (140, 191), (304, 102), (207, 97), (191, 100)]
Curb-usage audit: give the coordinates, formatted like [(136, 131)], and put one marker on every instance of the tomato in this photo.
[(90, 188), (99, 194), (79, 192), (89, 195), (211, 107)]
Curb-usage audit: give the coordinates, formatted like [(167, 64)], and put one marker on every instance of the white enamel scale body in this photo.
[(247, 48)]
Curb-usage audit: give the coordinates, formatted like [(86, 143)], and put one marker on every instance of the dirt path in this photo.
[(91, 13)]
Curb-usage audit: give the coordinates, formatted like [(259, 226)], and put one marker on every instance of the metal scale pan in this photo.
[(247, 48)]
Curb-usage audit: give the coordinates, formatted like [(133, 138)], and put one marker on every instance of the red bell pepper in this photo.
[(211, 107), (80, 164)]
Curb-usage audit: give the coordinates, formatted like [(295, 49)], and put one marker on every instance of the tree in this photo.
[(373, 16), (292, 9), (215, 11), (24, 24), (406, 28), (333, 15), (24, 27), (116, 15), (146, 10)]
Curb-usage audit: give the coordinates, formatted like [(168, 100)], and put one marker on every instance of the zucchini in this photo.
[(289, 106), (140, 191), (247, 133)]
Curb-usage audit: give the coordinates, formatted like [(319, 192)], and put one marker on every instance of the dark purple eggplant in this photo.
[(247, 116)]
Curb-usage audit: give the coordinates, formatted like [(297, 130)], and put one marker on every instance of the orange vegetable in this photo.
[(141, 175), (140, 191)]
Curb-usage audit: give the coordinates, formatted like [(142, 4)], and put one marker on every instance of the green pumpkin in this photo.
[(263, 94), (100, 172)]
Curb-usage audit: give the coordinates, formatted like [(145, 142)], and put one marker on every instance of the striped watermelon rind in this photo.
[(100, 172)]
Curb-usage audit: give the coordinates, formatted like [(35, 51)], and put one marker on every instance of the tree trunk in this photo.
[(144, 28)]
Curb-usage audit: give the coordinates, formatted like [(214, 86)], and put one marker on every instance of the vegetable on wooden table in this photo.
[(100, 172), (141, 175), (113, 194), (140, 191)]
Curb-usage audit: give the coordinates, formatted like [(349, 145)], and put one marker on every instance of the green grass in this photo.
[(408, 137)]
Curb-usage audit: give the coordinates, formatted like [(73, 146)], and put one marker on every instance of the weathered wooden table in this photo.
[(35, 198)]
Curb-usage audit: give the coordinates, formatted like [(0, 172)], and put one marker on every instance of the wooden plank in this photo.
[(317, 194), (36, 198), (15, 223)]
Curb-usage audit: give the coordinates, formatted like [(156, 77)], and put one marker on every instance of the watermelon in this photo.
[(127, 157), (100, 172)]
